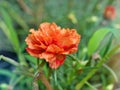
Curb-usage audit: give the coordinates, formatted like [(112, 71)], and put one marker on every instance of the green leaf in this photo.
[(116, 34), (96, 39), (106, 45), (11, 33), (18, 19), (15, 15), (4, 29)]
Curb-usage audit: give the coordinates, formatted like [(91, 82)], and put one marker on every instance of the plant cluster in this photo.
[(69, 49)]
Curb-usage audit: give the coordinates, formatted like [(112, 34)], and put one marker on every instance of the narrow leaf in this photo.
[(6, 73), (12, 33), (31, 59)]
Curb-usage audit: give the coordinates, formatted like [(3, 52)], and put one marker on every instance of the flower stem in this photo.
[(35, 85), (9, 60), (40, 65), (40, 76)]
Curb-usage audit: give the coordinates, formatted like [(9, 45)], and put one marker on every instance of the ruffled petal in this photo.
[(69, 41), (34, 52), (49, 57), (59, 60), (54, 49)]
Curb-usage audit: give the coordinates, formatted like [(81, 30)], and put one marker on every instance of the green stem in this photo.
[(72, 56), (22, 59), (9, 60), (38, 61), (76, 59), (40, 65), (111, 71), (15, 82), (24, 72), (92, 87)]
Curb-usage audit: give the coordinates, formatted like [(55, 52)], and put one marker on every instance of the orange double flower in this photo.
[(110, 12), (52, 43)]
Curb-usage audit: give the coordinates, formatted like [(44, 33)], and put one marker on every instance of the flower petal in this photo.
[(57, 62), (69, 41), (34, 52), (49, 57), (54, 49)]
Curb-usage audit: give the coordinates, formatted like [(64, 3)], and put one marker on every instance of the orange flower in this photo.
[(52, 43), (109, 12)]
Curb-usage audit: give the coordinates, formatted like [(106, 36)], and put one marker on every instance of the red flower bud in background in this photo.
[(110, 12), (52, 43)]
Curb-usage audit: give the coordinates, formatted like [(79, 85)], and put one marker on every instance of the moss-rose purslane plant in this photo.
[(52, 43)]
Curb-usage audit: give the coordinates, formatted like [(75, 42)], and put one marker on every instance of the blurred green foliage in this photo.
[(86, 16)]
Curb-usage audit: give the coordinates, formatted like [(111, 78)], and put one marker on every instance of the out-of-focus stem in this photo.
[(13, 82), (91, 86), (35, 85), (112, 72), (22, 59), (9, 60), (24, 6)]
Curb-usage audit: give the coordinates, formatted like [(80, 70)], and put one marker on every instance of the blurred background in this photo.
[(86, 16)]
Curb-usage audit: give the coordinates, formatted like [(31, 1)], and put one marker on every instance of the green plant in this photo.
[(86, 69)]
